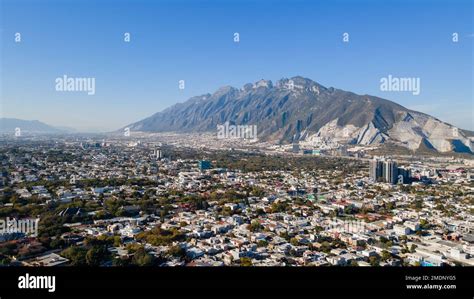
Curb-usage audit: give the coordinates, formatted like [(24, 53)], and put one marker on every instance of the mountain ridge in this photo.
[(8, 125), (299, 109)]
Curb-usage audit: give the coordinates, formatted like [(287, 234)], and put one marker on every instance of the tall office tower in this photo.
[(295, 148), (373, 170), (390, 172), (158, 154), (376, 170)]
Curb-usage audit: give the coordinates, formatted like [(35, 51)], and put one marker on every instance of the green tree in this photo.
[(386, 255), (255, 226), (76, 255), (245, 262), (177, 251), (374, 261), (294, 241), (142, 258), (96, 255)]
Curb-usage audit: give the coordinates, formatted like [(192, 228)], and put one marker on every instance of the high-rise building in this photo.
[(390, 172), (373, 170), (158, 154), (387, 171), (295, 148), (376, 170)]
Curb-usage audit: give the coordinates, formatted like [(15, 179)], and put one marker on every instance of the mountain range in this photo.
[(301, 110), (9, 125)]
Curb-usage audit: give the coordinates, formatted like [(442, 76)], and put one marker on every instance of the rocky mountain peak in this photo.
[(299, 109)]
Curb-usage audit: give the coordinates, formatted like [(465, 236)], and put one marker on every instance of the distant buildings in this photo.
[(375, 170), (204, 164), (157, 153), (217, 226), (388, 172), (314, 152), (295, 148), (405, 174)]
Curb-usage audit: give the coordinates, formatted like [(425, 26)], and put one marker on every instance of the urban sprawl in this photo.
[(120, 201)]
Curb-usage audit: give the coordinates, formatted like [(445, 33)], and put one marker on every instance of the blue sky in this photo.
[(193, 41)]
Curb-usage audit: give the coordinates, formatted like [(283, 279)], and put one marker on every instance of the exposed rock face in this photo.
[(299, 109)]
